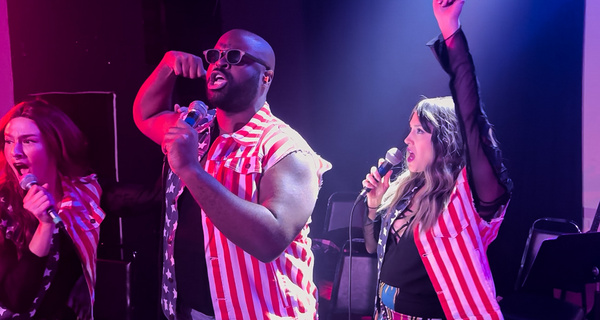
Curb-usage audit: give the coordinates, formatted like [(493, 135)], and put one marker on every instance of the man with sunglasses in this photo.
[(239, 192)]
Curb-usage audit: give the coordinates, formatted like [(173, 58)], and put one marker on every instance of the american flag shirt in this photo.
[(454, 254), (241, 286), (82, 215)]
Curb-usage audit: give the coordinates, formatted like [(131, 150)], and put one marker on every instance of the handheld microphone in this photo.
[(196, 111), (392, 158), (29, 180)]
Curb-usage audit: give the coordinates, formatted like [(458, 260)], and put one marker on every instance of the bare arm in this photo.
[(287, 194), (152, 109)]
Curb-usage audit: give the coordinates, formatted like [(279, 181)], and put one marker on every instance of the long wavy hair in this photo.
[(61, 138), (437, 116)]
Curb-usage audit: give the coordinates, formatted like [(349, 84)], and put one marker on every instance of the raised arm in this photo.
[(152, 109), (487, 174)]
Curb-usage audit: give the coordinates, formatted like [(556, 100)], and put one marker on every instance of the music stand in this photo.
[(568, 262)]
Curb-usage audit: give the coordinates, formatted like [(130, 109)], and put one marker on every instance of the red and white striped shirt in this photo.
[(82, 215), (243, 287), (454, 254)]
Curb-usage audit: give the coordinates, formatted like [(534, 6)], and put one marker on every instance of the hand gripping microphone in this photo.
[(198, 115), (196, 111), (29, 180), (392, 158)]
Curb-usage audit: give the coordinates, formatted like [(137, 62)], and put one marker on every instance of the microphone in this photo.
[(198, 115), (196, 111), (392, 158), (29, 180)]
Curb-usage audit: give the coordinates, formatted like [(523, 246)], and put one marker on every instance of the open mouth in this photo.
[(410, 156), (21, 168), (217, 81)]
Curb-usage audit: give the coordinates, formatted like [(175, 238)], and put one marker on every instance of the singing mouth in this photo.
[(20, 167), (216, 81)]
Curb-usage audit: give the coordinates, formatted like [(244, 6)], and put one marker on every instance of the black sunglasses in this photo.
[(232, 56)]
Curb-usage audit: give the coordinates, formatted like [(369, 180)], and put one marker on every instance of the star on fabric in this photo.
[(168, 273), (47, 273), (165, 288), (2, 311), (171, 188), (167, 222), (174, 294)]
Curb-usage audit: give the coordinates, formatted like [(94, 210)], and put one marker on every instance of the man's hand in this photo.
[(184, 64), (180, 144)]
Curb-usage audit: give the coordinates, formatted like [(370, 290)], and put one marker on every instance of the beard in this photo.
[(235, 97)]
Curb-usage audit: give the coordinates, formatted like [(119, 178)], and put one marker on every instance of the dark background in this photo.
[(348, 73)]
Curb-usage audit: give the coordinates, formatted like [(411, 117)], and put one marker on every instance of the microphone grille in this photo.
[(196, 111), (199, 106), (27, 181), (394, 156)]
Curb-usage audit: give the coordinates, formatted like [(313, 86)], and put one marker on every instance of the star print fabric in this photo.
[(174, 188)]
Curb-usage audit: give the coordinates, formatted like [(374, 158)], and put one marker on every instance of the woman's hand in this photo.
[(447, 13), (37, 201), (378, 186)]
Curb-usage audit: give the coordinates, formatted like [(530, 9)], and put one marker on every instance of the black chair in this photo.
[(556, 257), (332, 254), (354, 283), (337, 227), (541, 230)]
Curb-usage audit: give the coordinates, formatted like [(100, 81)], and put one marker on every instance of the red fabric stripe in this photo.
[(246, 280), (459, 267), (445, 274), (429, 268), (275, 147), (275, 294), (218, 284)]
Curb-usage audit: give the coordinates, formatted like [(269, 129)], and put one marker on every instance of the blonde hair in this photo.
[(437, 116)]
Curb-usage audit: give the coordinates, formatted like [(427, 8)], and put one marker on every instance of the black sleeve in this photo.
[(371, 233), (20, 278), (487, 174)]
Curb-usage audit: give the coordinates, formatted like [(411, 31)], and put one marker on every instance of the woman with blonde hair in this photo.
[(432, 224)]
